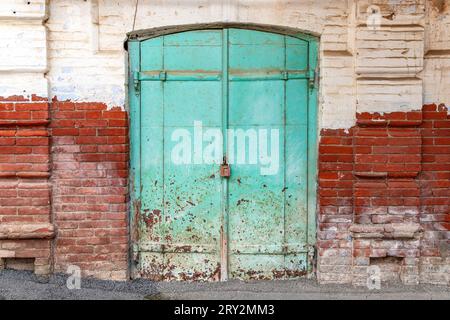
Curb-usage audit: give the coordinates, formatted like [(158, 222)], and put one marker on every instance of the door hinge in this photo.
[(136, 83), (135, 253), (312, 258), (313, 79)]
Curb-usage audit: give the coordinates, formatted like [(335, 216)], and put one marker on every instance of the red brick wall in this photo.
[(25, 191), (434, 181), (78, 186), (335, 204), (90, 188), (384, 197)]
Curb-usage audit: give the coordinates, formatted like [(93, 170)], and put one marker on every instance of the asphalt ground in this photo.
[(24, 285)]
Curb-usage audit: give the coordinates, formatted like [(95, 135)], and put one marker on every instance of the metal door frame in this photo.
[(132, 45)]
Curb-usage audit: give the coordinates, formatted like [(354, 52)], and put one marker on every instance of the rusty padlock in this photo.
[(225, 170)]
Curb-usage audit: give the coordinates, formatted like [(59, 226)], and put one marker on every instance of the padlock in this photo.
[(225, 170)]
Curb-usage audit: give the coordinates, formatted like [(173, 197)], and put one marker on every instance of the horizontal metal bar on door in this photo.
[(216, 76), (177, 248), (267, 75), (180, 75), (270, 249)]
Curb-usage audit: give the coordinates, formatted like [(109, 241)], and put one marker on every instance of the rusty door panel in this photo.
[(267, 210), (180, 204), (236, 216)]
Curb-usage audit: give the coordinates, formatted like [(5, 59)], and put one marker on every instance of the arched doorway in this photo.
[(223, 152)]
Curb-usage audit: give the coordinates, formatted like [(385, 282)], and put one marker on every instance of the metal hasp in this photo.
[(313, 79), (225, 170), (136, 83), (249, 211)]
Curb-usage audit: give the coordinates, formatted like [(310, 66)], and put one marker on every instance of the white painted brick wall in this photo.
[(396, 68), (382, 95), (23, 48), (23, 9), (437, 57), (437, 79), (401, 49), (78, 71), (338, 91)]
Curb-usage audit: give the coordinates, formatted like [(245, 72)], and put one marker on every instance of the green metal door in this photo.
[(207, 100)]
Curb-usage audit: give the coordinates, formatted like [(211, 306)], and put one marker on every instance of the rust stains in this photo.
[(275, 274), (440, 5), (241, 201), (161, 272), (209, 275), (184, 249), (296, 273), (153, 218)]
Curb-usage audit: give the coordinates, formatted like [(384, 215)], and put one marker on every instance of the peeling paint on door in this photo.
[(191, 221)]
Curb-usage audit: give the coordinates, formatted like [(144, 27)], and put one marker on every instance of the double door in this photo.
[(220, 156)]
